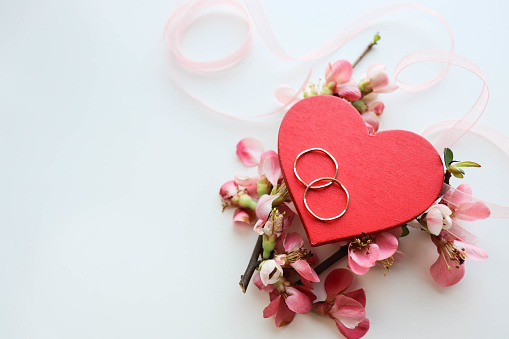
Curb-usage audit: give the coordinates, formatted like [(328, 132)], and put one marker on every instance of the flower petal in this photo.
[(348, 90), (358, 295), (249, 151), (378, 77), (356, 268), (473, 252), (270, 310), (340, 71), (387, 244), (471, 212), (371, 119), (297, 301), (284, 315), (357, 332), (292, 242), (347, 310), (305, 271), (244, 216), (270, 272), (434, 221), (228, 190), (444, 276), (269, 166), (264, 205), (258, 283), (391, 87), (365, 257), (249, 183), (337, 282)]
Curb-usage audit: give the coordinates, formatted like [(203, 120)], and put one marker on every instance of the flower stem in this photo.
[(335, 257), (366, 50), (252, 265), (447, 177)]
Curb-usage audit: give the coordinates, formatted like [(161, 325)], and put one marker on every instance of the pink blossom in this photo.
[(376, 107), (285, 300), (449, 268), (249, 183), (249, 151), (270, 272), (228, 190), (462, 206), (244, 215), (346, 309), (296, 256), (365, 251), (269, 167), (438, 217), (340, 73), (371, 120), (376, 80)]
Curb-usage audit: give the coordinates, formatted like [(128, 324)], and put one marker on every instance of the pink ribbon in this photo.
[(184, 14), (255, 16)]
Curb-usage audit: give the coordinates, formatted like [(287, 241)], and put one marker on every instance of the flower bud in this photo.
[(263, 186)]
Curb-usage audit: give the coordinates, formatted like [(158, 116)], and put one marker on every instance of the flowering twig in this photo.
[(252, 265), (367, 49)]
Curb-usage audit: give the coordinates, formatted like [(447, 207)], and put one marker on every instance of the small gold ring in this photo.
[(332, 180), (309, 150)]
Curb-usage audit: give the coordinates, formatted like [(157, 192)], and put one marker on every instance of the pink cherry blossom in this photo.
[(270, 168), (366, 250), (449, 267), (340, 73), (228, 190), (377, 80), (249, 183), (285, 300), (371, 120), (438, 217), (460, 203), (244, 215), (376, 107), (270, 272), (249, 151), (296, 256), (346, 309)]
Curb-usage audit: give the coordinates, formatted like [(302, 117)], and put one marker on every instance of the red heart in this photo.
[(392, 176)]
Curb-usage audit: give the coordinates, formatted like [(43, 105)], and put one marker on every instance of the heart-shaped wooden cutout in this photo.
[(391, 176)]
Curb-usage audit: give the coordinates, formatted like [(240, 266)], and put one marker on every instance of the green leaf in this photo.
[(447, 156), (458, 175), (405, 231), (467, 164), (376, 38)]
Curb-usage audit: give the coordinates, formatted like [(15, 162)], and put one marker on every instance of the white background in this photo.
[(110, 221)]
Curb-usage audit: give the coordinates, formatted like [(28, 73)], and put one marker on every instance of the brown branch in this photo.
[(252, 265), (363, 54)]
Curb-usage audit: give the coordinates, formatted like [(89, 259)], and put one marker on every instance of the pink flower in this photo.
[(438, 217), (376, 80), (270, 272), (376, 107), (365, 251), (270, 168), (371, 120), (296, 256), (249, 151), (285, 300), (462, 206), (449, 268), (346, 309), (340, 73), (244, 215)]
